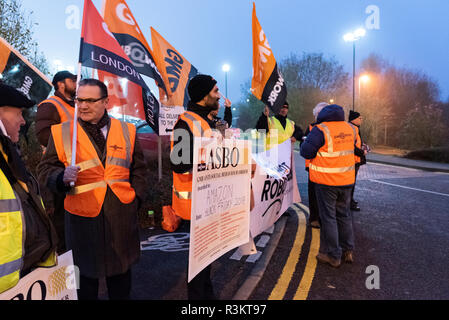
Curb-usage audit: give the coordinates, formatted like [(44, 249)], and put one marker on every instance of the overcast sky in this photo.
[(209, 33)]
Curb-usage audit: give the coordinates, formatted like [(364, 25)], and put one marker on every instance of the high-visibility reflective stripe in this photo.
[(9, 205), (89, 164), (183, 195), (67, 113), (196, 123), (118, 162), (125, 131), (331, 170), (67, 140), (87, 187), (330, 143), (117, 180), (335, 154), (355, 132), (10, 267)]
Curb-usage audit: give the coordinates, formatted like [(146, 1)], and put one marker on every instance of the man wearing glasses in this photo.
[(103, 192)]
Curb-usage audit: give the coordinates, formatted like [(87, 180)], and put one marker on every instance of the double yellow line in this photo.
[(284, 280)]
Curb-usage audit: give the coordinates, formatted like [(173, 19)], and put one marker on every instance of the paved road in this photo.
[(402, 236), (402, 232)]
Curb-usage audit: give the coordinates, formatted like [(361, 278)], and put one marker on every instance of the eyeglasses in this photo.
[(89, 100)]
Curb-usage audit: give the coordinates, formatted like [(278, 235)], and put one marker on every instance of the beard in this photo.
[(70, 93), (213, 105)]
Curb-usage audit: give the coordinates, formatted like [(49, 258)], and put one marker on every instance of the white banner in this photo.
[(167, 119), (56, 283), (274, 186), (220, 200)]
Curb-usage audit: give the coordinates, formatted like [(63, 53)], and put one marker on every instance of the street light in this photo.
[(363, 79), (353, 37), (226, 67)]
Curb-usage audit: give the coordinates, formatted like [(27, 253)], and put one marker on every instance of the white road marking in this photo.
[(254, 257), (262, 243), (404, 187)]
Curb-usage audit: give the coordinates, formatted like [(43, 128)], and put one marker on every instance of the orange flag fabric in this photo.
[(174, 68), (267, 84), (123, 25), (100, 50)]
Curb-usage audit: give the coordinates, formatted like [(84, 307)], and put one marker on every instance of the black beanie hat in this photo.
[(353, 115), (11, 97), (200, 86)]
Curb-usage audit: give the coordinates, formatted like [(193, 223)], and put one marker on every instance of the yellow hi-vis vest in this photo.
[(12, 235), (281, 135)]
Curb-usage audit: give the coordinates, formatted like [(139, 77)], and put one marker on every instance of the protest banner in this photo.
[(274, 186), (220, 200), (56, 283), (267, 84), (175, 69), (168, 116), (16, 71)]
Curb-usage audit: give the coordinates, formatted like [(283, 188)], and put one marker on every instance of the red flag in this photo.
[(100, 50)]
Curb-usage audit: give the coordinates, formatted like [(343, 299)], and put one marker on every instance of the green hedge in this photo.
[(440, 154)]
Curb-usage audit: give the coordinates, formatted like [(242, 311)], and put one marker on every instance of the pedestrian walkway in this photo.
[(409, 163)]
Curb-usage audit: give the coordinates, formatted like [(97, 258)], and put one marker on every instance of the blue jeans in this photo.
[(336, 234)]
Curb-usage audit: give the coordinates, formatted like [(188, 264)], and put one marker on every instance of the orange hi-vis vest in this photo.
[(182, 183), (308, 160), (358, 144), (87, 196), (66, 111), (334, 164)]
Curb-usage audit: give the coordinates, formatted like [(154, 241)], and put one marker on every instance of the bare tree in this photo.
[(16, 27), (310, 78)]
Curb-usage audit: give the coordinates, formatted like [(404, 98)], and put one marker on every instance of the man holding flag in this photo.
[(96, 161), (279, 128), (109, 186)]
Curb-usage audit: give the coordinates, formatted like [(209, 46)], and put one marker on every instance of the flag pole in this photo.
[(75, 121)]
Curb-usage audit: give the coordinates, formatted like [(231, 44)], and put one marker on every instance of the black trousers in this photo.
[(313, 205), (119, 287), (357, 167), (200, 288)]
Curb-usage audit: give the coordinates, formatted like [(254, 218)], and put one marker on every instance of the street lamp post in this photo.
[(353, 37), (226, 68)]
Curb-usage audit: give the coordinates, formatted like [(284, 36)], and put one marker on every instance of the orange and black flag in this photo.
[(175, 70), (123, 25), (267, 85), (100, 50), (16, 71)]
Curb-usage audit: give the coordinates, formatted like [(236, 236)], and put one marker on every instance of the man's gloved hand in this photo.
[(70, 174)]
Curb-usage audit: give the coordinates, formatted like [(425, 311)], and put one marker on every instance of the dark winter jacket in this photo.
[(202, 112), (315, 139), (108, 244)]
